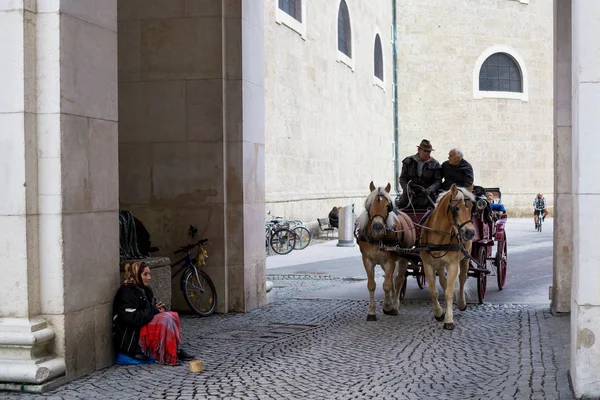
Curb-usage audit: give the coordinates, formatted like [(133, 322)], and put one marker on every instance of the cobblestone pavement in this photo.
[(298, 348)]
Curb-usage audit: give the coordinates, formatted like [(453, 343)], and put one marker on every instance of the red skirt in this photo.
[(161, 337)]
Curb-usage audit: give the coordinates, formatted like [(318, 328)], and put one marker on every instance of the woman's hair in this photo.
[(133, 273)]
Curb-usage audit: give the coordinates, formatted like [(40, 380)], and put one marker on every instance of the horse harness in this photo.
[(455, 232), (362, 237)]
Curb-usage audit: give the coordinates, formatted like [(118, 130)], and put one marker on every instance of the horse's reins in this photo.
[(455, 232), (409, 195)]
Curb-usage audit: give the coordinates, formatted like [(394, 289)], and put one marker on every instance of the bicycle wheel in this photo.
[(303, 237), (283, 241), (200, 296)]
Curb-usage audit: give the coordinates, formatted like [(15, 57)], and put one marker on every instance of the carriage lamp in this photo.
[(481, 203)]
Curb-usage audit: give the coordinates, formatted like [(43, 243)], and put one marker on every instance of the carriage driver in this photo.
[(423, 170)]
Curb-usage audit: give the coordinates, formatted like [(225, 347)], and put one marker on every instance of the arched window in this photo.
[(378, 58), (344, 31), (500, 73)]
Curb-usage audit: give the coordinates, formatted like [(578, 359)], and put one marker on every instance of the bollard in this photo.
[(346, 227)]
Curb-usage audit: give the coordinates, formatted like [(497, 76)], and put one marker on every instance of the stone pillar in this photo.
[(26, 340), (563, 204), (585, 305), (245, 143), (59, 240), (191, 135)]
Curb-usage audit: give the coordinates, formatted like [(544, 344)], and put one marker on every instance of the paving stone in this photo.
[(299, 348)]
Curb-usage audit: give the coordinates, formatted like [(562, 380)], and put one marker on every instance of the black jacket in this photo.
[(461, 174), (430, 177), (334, 217), (133, 307)]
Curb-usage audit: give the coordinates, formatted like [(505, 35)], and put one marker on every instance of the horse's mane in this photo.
[(363, 219), (464, 191), (376, 193)]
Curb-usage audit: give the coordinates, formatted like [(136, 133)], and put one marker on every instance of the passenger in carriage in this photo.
[(496, 208), (421, 170), (457, 170)]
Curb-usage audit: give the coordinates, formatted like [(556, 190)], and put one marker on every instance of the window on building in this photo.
[(378, 58), (292, 8), (344, 32), (500, 73)]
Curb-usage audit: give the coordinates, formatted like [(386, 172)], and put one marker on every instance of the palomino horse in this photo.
[(446, 233), (380, 223)]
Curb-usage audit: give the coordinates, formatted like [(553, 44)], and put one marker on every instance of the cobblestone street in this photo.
[(298, 348)]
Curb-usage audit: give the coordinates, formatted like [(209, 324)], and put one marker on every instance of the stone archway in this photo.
[(576, 281), (197, 113)]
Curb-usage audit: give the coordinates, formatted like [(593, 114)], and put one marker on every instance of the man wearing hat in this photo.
[(420, 170)]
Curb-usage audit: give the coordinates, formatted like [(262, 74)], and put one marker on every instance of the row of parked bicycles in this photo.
[(283, 235)]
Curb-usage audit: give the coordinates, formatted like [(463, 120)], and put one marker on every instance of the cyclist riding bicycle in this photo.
[(539, 204)]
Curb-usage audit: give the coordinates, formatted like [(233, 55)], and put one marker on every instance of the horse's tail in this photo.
[(457, 288)]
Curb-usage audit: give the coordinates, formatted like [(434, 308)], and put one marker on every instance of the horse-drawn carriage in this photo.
[(489, 236), (453, 240)]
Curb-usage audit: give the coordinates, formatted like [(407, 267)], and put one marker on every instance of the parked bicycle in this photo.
[(279, 238), (301, 233), (197, 287)]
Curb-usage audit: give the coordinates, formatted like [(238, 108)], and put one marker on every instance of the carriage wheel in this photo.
[(421, 280), (481, 276), (501, 256), (403, 290)]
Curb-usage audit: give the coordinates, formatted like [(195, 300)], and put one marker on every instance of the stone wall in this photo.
[(330, 128), (191, 138), (508, 142), (59, 240)]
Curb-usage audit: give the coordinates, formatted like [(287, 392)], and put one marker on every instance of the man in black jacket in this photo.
[(457, 170), (420, 171)]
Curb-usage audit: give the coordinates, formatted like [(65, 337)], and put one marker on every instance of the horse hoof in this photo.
[(440, 318), (371, 317), (462, 308), (391, 312), (449, 326)]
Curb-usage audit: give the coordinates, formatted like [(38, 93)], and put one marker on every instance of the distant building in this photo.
[(470, 74)]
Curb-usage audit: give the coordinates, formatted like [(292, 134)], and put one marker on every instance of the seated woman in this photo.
[(142, 328)]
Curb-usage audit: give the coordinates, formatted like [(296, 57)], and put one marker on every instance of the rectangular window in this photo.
[(292, 8)]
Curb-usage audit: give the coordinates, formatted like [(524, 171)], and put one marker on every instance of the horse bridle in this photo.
[(390, 208), (454, 210)]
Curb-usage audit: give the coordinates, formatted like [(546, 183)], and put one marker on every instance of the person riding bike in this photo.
[(539, 204), (422, 176)]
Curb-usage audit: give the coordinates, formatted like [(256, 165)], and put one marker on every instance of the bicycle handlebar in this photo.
[(184, 249)]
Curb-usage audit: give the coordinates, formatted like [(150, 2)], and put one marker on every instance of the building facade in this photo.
[(159, 107), (330, 120)]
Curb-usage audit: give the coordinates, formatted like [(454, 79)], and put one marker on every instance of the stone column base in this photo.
[(24, 351)]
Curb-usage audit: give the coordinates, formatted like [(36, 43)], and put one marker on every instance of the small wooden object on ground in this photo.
[(196, 366)]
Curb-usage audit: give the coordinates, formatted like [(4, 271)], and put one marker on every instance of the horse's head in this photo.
[(460, 203), (379, 205)]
